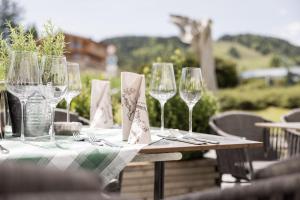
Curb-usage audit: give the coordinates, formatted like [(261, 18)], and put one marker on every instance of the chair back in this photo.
[(238, 162), (292, 116), (241, 124)]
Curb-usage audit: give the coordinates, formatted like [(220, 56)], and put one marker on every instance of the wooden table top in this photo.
[(288, 125), (167, 146)]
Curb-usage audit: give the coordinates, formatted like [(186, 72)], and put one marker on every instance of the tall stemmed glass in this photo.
[(74, 85), (22, 79), (54, 85), (190, 89), (162, 85)]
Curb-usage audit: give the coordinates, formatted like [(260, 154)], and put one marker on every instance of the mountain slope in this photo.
[(247, 58), (264, 44), (248, 51)]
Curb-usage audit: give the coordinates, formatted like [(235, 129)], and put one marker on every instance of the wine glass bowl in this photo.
[(23, 74), (190, 89), (74, 85), (162, 85), (23, 78), (54, 79)]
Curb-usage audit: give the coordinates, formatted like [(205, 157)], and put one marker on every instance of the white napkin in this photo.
[(101, 110), (135, 119)]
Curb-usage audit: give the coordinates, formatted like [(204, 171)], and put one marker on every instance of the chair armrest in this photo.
[(284, 167), (273, 188)]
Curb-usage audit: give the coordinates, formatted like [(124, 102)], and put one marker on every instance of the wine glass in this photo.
[(54, 83), (74, 85), (162, 85), (190, 89), (23, 78)]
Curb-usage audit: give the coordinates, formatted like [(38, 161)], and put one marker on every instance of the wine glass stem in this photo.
[(68, 111), (162, 105), (52, 133), (2, 114), (190, 119), (23, 106)]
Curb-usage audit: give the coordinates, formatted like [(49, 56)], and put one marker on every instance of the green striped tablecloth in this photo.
[(67, 154)]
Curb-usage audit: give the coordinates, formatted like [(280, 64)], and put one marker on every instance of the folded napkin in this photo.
[(101, 110), (135, 120)]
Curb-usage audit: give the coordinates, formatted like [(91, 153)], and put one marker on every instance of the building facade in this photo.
[(90, 55)]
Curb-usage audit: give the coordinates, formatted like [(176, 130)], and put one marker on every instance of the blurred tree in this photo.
[(297, 60), (9, 11), (276, 61), (283, 61), (226, 72), (234, 52)]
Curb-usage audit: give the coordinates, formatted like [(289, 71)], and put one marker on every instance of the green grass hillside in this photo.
[(247, 58), (265, 44), (248, 51)]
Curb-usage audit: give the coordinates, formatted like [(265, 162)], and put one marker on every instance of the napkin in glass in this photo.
[(135, 119), (101, 109)]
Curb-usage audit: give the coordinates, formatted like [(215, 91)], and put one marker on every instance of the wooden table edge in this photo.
[(170, 149)]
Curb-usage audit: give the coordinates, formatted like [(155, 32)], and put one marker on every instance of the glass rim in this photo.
[(196, 68), (72, 64), (54, 56), (162, 63), (18, 51)]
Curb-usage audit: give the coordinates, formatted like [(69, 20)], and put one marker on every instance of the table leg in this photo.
[(159, 175)]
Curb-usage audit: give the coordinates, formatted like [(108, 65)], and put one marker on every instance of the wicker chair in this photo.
[(279, 181), (277, 188), (238, 162), (292, 136), (20, 180)]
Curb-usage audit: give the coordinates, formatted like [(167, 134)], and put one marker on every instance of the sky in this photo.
[(100, 19)]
